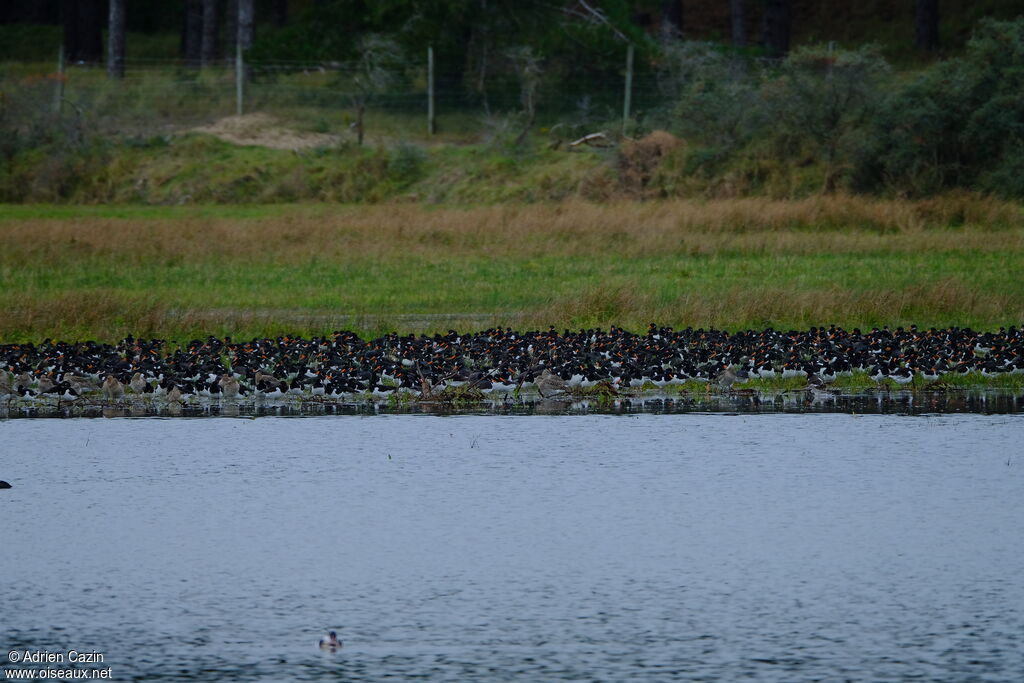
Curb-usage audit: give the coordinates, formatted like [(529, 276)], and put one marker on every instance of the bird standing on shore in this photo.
[(44, 383), (549, 384), (497, 360), (137, 383), (229, 386), (727, 377), (112, 388)]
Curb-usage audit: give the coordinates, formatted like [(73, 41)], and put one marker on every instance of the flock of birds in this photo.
[(498, 360)]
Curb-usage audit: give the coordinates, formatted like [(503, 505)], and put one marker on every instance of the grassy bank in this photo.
[(185, 272), (200, 169)]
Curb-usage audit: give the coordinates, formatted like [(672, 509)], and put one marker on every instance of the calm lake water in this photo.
[(481, 548)]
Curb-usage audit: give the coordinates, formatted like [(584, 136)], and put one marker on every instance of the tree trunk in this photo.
[(69, 20), (360, 110), (115, 40), (926, 25), (192, 33), (280, 12), (739, 24), (246, 18), (90, 31), (208, 47), (671, 19), (777, 20), (230, 29), (83, 30), (478, 47)]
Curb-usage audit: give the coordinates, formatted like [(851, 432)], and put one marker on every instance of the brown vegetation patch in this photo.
[(263, 130), (951, 297), (827, 225), (69, 314), (640, 159)]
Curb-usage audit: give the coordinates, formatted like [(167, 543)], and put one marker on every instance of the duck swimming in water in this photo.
[(331, 642)]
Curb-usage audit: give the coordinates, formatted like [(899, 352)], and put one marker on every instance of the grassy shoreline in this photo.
[(178, 273)]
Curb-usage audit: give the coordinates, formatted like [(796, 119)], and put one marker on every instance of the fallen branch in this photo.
[(590, 139)]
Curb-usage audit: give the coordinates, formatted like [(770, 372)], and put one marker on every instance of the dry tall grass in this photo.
[(950, 300), (730, 263), (837, 224)]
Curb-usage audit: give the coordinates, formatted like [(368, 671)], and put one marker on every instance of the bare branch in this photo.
[(597, 15), (589, 139), (591, 14)]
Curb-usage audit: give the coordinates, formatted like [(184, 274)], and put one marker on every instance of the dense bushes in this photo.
[(752, 127), (45, 157), (830, 119), (958, 124)]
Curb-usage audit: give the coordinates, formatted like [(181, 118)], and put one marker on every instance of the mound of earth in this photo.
[(639, 159), (265, 131)]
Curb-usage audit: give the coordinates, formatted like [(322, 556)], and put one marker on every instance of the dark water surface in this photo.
[(479, 548)]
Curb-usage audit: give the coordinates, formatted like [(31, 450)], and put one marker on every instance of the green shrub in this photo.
[(406, 163), (717, 96), (960, 123), (819, 102), (740, 118)]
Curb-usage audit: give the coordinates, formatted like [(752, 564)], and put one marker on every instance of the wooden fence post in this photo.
[(431, 127), (628, 98), (239, 77), (58, 96)]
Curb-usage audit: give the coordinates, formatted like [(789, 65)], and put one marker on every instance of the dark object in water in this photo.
[(331, 642), (4, 485)]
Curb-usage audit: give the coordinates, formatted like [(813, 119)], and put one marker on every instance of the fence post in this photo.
[(627, 99), (239, 77), (58, 97), (430, 90)]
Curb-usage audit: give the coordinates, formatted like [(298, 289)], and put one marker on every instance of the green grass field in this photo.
[(98, 273)]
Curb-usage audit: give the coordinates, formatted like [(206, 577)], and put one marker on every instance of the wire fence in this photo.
[(406, 100)]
